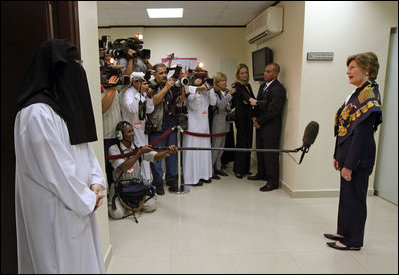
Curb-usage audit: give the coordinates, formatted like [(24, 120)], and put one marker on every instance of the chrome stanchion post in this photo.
[(181, 189)]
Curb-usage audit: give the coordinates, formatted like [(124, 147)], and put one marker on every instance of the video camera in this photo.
[(202, 74), (120, 48), (107, 71)]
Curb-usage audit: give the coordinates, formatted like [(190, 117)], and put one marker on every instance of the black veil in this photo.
[(53, 77)]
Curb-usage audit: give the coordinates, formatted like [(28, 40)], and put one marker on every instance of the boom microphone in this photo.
[(311, 131)]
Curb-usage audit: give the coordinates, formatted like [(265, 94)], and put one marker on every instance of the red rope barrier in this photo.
[(204, 135), (167, 133)]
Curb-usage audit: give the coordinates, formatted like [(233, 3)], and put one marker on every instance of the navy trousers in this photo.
[(352, 208)]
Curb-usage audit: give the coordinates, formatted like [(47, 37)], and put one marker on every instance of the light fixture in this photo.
[(139, 36), (165, 13)]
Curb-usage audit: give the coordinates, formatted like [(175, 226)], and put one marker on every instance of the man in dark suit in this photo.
[(269, 106)]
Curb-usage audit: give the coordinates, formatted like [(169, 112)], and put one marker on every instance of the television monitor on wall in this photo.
[(261, 58)]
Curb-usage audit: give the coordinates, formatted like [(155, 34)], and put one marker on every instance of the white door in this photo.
[(386, 180)]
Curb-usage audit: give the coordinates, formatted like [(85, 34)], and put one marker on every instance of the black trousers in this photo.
[(268, 163), (242, 160), (352, 208)]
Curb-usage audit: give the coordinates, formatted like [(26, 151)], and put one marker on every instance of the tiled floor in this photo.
[(229, 226)]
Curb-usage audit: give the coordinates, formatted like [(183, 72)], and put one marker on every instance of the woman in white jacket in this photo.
[(219, 123)]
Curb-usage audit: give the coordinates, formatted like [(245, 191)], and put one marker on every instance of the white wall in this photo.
[(345, 28), (288, 53), (316, 89), (88, 28), (220, 49)]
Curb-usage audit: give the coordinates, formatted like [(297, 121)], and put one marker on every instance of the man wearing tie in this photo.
[(269, 106)]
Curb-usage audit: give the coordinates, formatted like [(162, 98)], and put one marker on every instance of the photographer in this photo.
[(220, 123), (165, 98), (197, 165), (136, 103), (130, 167), (111, 117), (131, 55)]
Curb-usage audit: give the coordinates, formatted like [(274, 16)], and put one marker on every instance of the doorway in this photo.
[(386, 180)]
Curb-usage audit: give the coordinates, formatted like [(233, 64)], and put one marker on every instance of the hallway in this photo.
[(228, 226)]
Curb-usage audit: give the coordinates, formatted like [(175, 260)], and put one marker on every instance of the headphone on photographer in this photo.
[(119, 129)]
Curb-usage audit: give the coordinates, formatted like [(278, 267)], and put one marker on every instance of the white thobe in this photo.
[(56, 227), (130, 112), (197, 164)]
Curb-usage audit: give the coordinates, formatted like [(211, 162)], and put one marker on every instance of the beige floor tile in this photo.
[(228, 226), (140, 265), (203, 264), (267, 263), (329, 262)]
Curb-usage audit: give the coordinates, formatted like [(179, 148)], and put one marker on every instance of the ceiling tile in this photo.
[(201, 13), (132, 22), (235, 13)]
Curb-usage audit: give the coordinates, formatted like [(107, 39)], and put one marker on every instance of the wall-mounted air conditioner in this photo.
[(266, 25)]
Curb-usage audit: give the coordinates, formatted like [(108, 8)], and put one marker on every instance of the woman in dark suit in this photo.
[(243, 122), (354, 155)]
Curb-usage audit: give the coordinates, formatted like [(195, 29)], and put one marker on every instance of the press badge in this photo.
[(205, 113), (138, 124)]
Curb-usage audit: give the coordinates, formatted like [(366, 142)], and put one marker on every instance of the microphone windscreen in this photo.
[(311, 131)]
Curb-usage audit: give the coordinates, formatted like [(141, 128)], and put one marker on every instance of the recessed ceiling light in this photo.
[(165, 13)]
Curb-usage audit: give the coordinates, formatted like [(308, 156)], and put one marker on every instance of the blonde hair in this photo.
[(368, 61), (219, 76), (239, 67)]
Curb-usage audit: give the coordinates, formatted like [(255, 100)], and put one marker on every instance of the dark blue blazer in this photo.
[(356, 150), (269, 110)]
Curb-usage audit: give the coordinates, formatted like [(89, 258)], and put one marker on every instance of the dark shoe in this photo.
[(256, 177), (175, 189), (200, 183), (171, 182), (239, 176), (268, 187), (215, 176), (334, 245), (333, 237), (159, 190), (206, 181), (221, 172)]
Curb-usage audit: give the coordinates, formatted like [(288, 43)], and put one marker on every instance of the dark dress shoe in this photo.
[(239, 176), (333, 237), (215, 176), (175, 188), (221, 172), (159, 189), (256, 177), (171, 182), (268, 187), (206, 181), (334, 245), (200, 183)]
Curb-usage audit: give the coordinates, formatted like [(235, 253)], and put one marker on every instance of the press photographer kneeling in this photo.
[(127, 171)]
